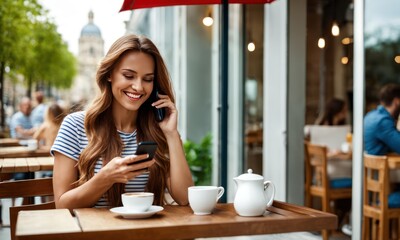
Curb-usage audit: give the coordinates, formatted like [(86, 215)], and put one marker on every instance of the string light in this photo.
[(397, 59), (208, 20), (251, 47), (321, 43), (335, 29), (346, 41)]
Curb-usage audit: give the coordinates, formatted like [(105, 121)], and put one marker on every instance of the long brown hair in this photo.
[(100, 126)]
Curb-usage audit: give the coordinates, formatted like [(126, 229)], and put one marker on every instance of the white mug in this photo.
[(202, 199), (345, 147), (32, 144)]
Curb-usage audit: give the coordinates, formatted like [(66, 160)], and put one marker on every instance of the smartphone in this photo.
[(146, 148), (158, 112)]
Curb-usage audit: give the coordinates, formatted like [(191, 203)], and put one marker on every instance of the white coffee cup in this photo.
[(32, 144), (345, 147), (137, 202), (202, 199)]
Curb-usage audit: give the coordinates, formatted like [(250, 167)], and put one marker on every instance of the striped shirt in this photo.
[(71, 140)]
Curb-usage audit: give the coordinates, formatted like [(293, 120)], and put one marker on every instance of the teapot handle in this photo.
[(266, 185)]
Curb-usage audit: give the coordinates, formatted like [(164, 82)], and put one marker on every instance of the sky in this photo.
[(72, 15), (378, 14)]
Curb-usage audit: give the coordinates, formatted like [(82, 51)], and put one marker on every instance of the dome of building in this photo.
[(91, 29)]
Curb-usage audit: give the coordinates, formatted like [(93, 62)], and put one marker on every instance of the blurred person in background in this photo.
[(335, 113), (21, 126), (37, 116), (380, 133), (94, 151), (48, 130)]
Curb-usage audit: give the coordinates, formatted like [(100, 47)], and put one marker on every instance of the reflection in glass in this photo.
[(253, 85)]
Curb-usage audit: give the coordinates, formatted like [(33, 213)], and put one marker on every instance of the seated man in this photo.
[(380, 133), (20, 125)]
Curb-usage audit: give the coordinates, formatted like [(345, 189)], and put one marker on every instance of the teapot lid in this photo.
[(250, 176)]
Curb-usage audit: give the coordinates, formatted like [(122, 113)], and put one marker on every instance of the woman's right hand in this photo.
[(122, 169)]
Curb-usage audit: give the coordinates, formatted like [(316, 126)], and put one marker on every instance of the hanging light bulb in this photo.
[(251, 46), (397, 59), (344, 60), (346, 41), (208, 20), (321, 43), (335, 29)]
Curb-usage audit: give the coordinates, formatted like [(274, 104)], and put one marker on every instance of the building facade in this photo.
[(91, 51)]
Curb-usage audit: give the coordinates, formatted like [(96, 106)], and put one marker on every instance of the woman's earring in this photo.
[(109, 79)]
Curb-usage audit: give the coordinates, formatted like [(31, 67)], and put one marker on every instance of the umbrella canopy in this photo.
[(137, 4), (223, 110)]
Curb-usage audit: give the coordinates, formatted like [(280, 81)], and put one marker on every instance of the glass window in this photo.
[(253, 86)]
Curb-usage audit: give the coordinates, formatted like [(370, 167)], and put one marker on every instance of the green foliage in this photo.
[(199, 158), (30, 45), (380, 67)]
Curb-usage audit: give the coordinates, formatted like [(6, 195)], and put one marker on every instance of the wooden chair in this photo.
[(317, 182), (376, 211), (26, 188)]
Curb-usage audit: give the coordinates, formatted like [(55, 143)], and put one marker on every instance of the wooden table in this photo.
[(174, 222), (31, 164), (22, 151), (9, 142)]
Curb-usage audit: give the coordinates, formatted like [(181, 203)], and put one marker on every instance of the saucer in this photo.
[(125, 213)]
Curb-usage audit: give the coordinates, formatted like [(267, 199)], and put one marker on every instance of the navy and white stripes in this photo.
[(71, 140)]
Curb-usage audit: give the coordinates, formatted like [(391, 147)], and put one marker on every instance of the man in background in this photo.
[(21, 126), (380, 133)]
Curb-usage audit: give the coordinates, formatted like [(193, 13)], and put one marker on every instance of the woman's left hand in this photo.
[(169, 123)]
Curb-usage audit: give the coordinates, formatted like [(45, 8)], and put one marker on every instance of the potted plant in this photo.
[(199, 159)]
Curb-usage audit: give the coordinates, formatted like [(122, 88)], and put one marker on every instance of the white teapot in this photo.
[(251, 198)]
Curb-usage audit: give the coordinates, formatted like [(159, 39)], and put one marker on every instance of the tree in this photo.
[(48, 60), (380, 65), (15, 22), (31, 46)]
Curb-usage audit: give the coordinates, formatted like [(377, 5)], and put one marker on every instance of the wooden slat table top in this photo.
[(33, 164), (8, 165), (179, 222), (21, 165), (9, 142), (22, 151), (54, 221), (46, 163)]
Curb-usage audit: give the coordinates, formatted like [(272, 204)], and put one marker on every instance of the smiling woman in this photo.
[(94, 150), (132, 82)]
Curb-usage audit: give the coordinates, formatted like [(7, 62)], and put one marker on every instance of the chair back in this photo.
[(26, 188), (316, 166), (376, 183)]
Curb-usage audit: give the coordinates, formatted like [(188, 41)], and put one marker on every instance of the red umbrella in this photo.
[(137, 4), (223, 134)]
